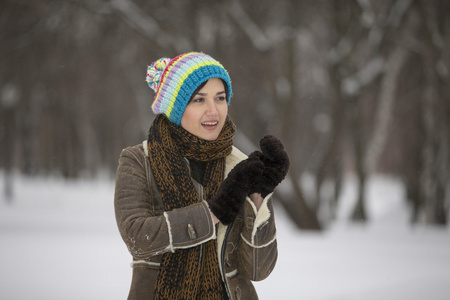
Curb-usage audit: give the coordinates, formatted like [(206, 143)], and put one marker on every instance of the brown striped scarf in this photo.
[(191, 273)]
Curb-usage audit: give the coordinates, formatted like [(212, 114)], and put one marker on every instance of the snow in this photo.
[(59, 241)]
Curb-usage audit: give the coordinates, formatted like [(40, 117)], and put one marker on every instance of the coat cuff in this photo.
[(190, 229), (256, 222)]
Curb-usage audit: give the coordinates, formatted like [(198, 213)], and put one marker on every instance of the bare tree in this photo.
[(435, 151), (350, 86)]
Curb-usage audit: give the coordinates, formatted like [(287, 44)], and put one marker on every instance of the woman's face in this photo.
[(205, 114)]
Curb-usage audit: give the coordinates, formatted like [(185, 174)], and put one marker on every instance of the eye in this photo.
[(221, 98), (197, 100)]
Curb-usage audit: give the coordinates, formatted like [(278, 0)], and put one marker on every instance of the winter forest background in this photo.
[(358, 90)]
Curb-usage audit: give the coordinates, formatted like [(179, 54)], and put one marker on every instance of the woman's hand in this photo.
[(257, 177), (257, 200), (235, 188), (255, 197), (276, 165), (215, 220)]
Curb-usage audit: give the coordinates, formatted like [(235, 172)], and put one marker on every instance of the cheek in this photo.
[(224, 110), (187, 119)]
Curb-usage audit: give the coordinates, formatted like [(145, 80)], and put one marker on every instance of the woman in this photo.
[(195, 213)]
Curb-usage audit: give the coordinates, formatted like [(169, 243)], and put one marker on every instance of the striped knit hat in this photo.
[(175, 80)]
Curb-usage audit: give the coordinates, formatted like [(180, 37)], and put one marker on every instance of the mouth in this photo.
[(210, 125)]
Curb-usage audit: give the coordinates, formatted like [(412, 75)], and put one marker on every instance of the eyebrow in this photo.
[(204, 94)]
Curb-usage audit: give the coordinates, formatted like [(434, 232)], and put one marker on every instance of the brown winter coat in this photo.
[(247, 248)]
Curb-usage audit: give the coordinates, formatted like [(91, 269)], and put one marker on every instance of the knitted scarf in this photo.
[(191, 273)]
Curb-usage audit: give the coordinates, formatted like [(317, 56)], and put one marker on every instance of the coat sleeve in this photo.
[(145, 228), (258, 247)]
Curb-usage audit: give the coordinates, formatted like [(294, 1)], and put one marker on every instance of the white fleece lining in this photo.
[(252, 204), (144, 262), (222, 229), (145, 145), (232, 273), (260, 246), (230, 162), (262, 215), (233, 159), (202, 242), (169, 229)]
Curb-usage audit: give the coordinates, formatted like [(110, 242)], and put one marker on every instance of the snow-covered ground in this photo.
[(58, 240)]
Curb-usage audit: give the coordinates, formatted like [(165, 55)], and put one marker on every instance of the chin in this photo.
[(210, 137)]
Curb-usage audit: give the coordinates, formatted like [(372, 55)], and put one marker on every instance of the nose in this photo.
[(211, 109)]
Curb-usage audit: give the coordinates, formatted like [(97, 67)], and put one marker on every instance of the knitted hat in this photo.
[(175, 80)]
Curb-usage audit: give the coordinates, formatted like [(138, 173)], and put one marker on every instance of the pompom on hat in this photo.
[(175, 80)]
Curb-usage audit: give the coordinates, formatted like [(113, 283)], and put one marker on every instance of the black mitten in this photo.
[(276, 162), (235, 188)]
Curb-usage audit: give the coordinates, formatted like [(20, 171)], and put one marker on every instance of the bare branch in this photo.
[(139, 20), (353, 84), (368, 16), (253, 32), (136, 18), (398, 11)]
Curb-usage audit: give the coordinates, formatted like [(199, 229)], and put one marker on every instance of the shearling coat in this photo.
[(247, 247)]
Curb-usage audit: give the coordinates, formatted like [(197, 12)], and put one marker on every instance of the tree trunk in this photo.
[(291, 198), (330, 160), (385, 110), (7, 149), (359, 212), (435, 154)]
